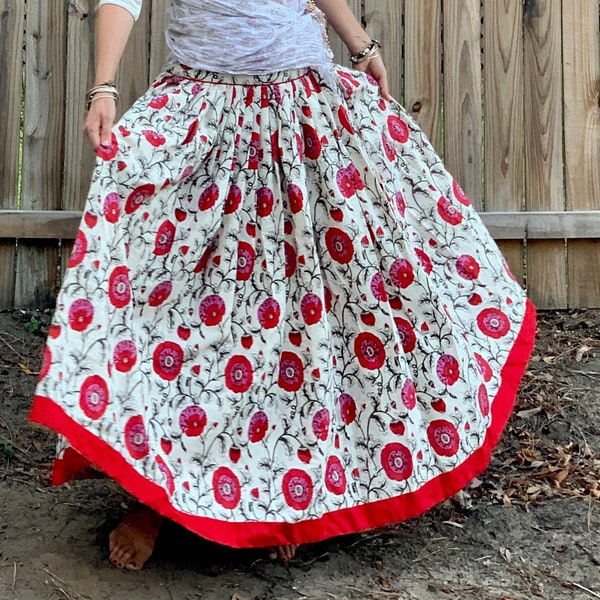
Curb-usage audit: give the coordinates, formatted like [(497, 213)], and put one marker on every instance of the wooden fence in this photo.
[(508, 91)]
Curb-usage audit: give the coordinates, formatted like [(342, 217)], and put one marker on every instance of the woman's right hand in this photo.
[(99, 122)]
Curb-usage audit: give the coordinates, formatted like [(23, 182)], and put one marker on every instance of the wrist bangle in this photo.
[(103, 90), (369, 52)]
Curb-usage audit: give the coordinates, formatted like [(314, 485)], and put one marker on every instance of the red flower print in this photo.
[(296, 198), (291, 372), (409, 394), (397, 427), (112, 207), (475, 300), (443, 437), (208, 197), (119, 288), (79, 249), (335, 476), (447, 369), (124, 356), (159, 102), (139, 195), (483, 400), (290, 260), (406, 332), (397, 461), (136, 438), (255, 152), (108, 152), (459, 194), (269, 313), (347, 408), (378, 287), (226, 488), (167, 360), (164, 238), (397, 128), (401, 273), (339, 245), (245, 264), (192, 421), (369, 351), (349, 181), (93, 397), (467, 267), (191, 132), (212, 310), (449, 212), (46, 362), (233, 200), (424, 260), (264, 202), (164, 469), (155, 138), (345, 120), (389, 150), (484, 367), (297, 489), (160, 293), (320, 424), (259, 424), (400, 203), (312, 309), (238, 374), (312, 144), (493, 322), (81, 314)]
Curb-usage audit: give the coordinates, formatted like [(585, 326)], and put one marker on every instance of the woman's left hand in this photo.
[(375, 67)]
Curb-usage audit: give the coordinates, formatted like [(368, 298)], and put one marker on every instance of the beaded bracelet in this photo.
[(369, 52)]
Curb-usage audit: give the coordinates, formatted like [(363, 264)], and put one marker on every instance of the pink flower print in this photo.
[(212, 310), (81, 314), (447, 369), (164, 238), (467, 267), (259, 425), (397, 461), (320, 424), (311, 308), (124, 356), (167, 360), (112, 207), (246, 257), (238, 374), (401, 273), (93, 397), (192, 421), (136, 438), (160, 293), (269, 313)]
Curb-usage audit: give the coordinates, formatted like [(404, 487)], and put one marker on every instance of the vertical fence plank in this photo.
[(43, 145), (12, 24), (423, 66), (503, 73), (581, 63), (546, 264), (463, 122), (158, 46), (384, 23)]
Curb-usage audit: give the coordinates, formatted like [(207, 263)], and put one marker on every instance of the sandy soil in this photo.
[(530, 530)]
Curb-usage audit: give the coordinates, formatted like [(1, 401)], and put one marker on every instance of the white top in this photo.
[(243, 36)]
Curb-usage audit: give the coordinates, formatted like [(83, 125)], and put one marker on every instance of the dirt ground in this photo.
[(531, 528)]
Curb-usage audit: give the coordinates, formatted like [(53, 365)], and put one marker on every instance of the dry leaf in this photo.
[(525, 414)]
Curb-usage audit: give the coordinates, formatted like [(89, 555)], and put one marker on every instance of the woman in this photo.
[(282, 320)]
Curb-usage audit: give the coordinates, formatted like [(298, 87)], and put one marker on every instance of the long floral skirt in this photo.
[(282, 319)]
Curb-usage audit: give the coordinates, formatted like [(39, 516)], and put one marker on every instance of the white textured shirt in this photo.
[(243, 36)]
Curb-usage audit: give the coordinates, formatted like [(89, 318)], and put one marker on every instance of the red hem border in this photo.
[(341, 522)]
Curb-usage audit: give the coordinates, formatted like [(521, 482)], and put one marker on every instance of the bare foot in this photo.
[(283, 553), (131, 543)]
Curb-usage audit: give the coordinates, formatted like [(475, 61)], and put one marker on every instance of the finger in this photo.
[(92, 128), (384, 87), (105, 130)]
